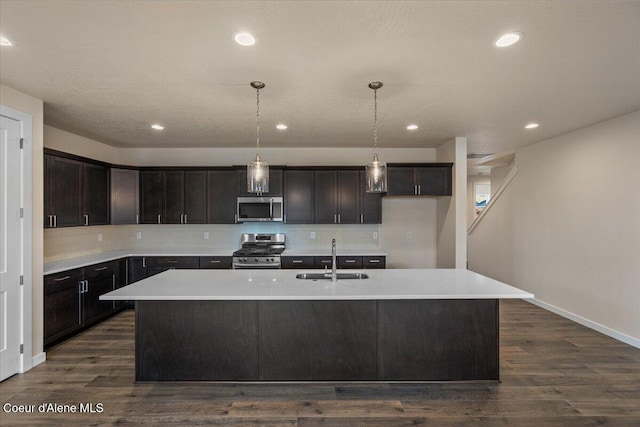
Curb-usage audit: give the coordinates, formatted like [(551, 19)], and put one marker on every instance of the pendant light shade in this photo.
[(376, 171), (257, 171)]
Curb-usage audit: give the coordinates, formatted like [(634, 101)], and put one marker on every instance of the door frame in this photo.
[(26, 233)]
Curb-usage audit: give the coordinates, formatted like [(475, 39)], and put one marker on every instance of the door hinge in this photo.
[(21, 143), (21, 212), (21, 348), (21, 280)]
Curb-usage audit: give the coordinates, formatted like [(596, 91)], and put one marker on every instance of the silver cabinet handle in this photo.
[(415, 189), (172, 261), (419, 189), (349, 261), (181, 218), (335, 218), (86, 220), (215, 261), (339, 221), (361, 219), (158, 218), (284, 218), (137, 219), (235, 219), (374, 261), (50, 221), (144, 262), (271, 208), (80, 285), (55, 221), (101, 268), (61, 279), (297, 261), (185, 219)]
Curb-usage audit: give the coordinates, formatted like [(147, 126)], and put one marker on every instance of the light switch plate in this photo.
[(375, 235), (99, 237), (139, 235), (312, 235), (206, 235)]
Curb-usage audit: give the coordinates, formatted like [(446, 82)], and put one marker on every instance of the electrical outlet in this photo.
[(139, 235), (206, 235), (99, 237), (312, 235), (375, 235), (409, 235)]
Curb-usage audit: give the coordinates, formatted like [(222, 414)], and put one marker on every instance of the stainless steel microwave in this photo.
[(260, 209)]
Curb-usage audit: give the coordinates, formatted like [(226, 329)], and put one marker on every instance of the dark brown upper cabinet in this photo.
[(275, 183), (370, 203), (221, 196), (125, 196), (433, 179), (299, 196), (75, 192), (337, 197), (173, 197)]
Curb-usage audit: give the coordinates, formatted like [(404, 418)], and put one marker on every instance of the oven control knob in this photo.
[(256, 259), (244, 260)]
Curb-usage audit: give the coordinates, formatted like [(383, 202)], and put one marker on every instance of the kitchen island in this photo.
[(267, 325)]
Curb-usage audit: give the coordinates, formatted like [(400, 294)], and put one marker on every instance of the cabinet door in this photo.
[(299, 196), (370, 204), (151, 197), (221, 197), (62, 305), (376, 261), (348, 197), (434, 181), (99, 279), (325, 197), (195, 197), (124, 196), (401, 181), (95, 194), (275, 182), (173, 197), (137, 268), (64, 191)]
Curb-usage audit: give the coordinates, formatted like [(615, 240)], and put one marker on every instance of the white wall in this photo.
[(567, 227), (28, 104)]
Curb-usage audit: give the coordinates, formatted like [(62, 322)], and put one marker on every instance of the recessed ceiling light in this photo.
[(157, 126), (412, 127), (244, 39), (508, 39), (531, 126), (281, 126), (5, 41)]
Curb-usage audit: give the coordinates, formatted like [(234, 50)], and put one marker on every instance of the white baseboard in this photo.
[(588, 323), (38, 359)]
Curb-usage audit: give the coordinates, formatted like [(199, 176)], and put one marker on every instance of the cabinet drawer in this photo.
[(297, 262), (322, 261), (215, 262), (349, 262), (173, 262), (59, 282), (374, 262), (98, 270)]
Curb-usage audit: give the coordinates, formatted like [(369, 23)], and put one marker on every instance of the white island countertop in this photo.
[(226, 285)]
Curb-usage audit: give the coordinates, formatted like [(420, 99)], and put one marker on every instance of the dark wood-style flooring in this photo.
[(554, 372)]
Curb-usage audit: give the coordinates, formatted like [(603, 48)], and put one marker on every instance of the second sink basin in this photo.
[(341, 276)]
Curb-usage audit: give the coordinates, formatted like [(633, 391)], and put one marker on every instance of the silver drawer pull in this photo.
[(60, 279), (101, 268), (215, 261), (374, 261), (297, 261), (350, 261), (172, 261)]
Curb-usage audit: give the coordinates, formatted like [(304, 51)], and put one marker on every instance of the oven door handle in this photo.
[(271, 208)]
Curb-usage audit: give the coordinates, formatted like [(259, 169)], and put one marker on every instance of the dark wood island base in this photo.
[(350, 340)]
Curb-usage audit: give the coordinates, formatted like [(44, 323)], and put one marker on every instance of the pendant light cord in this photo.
[(375, 120), (258, 121)]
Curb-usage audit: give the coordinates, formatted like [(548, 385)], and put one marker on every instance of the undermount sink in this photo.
[(341, 276)]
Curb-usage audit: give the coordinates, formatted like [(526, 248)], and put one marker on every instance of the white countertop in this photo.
[(283, 285), (77, 262)]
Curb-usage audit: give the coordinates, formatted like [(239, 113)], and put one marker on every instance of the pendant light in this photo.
[(257, 171), (376, 170)]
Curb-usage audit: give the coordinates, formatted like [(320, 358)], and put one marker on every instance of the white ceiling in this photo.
[(108, 69)]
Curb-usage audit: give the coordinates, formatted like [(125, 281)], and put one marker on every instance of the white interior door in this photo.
[(10, 247)]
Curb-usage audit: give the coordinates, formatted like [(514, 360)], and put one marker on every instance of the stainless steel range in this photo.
[(259, 251)]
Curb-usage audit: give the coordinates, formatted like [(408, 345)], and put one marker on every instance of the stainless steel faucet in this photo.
[(334, 273)]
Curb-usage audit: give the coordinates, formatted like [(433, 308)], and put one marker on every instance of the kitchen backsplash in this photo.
[(62, 243)]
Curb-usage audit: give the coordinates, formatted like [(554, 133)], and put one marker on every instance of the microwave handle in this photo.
[(271, 208)]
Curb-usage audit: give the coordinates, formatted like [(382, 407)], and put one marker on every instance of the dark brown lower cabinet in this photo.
[(379, 340), (71, 299)]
